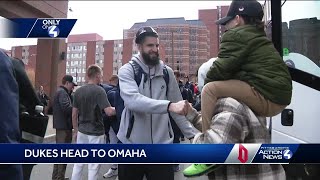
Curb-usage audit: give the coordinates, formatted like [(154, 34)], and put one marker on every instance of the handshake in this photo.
[(181, 107)]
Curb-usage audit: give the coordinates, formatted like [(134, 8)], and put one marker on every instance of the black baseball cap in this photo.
[(250, 8), (145, 31), (70, 79)]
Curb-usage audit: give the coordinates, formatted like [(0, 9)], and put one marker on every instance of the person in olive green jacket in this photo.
[(248, 67)]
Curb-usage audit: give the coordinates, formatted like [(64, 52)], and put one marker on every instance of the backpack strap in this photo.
[(166, 78), (138, 71)]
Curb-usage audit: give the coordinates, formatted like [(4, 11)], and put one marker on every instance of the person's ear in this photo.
[(139, 47), (238, 20)]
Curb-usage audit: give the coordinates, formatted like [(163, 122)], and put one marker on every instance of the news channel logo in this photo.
[(275, 153), (52, 27)]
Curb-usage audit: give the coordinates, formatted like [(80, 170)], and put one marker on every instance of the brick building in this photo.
[(81, 50), (87, 49), (27, 54), (184, 46), (184, 42), (209, 17)]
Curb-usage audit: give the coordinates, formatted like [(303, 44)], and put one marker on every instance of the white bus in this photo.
[(295, 30)]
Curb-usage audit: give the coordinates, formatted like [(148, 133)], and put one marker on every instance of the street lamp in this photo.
[(172, 48), (76, 67)]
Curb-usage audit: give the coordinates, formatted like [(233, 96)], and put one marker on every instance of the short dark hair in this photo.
[(253, 21), (67, 78), (93, 70), (113, 78), (64, 81)]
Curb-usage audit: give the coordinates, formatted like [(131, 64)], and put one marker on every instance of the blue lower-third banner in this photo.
[(159, 153)]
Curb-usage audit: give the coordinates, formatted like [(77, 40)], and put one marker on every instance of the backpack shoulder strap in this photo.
[(166, 77), (137, 70)]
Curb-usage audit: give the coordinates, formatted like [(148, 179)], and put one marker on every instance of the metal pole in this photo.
[(276, 25), (76, 73), (172, 49)]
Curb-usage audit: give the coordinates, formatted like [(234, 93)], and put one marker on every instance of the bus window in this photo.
[(300, 35)]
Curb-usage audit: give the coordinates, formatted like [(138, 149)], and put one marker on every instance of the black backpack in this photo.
[(119, 104)]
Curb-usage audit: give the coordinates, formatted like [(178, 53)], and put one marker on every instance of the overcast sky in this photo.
[(109, 18)]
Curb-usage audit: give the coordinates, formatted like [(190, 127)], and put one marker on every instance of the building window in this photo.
[(83, 79), (83, 70), (67, 71)]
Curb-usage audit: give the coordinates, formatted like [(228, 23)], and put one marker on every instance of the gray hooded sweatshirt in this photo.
[(148, 104)]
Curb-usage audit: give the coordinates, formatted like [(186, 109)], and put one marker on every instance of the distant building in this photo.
[(28, 54), (302, 36), (184, 46), (185, 42)]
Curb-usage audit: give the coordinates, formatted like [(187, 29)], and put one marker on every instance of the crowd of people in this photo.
[(149, 103)]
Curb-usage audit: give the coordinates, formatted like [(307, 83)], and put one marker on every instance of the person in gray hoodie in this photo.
[(150, 104)]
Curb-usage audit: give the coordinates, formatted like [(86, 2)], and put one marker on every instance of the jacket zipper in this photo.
[(151, 98)]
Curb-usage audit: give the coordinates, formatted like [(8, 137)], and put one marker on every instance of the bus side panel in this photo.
[(306, 121)]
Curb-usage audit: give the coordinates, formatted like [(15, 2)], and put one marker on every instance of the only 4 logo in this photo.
[(53, 31)]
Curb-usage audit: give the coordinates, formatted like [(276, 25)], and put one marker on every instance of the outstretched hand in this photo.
[(180, 107)]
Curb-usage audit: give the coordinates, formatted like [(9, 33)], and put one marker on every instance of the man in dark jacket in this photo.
[(32, 125), (108, 122), (43, 97), (113, 122), (188, 84), (62, 122), (9, 113)]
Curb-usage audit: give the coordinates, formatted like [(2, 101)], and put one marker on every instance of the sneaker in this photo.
[(199, 169), (176, 168), (111, 172)]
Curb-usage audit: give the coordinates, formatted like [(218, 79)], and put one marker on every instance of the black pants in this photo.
[(59, 170), (27, 169), (176, 131), (152, 172)]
